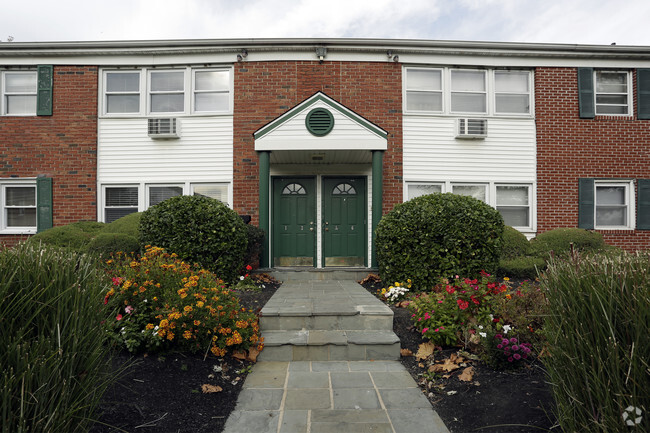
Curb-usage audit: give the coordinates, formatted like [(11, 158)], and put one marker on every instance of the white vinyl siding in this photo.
[(18, 89)]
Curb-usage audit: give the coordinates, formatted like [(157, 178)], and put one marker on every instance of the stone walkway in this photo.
[(314, 390)]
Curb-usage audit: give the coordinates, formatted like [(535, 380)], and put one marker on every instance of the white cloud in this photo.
[(567, 21)]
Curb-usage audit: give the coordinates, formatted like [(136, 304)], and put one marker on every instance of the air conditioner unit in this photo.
[(472, 128), (163, 127)]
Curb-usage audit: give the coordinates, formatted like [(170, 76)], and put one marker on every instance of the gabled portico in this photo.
[(320, 184)]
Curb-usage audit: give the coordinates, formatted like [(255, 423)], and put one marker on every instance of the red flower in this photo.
[(450, 290), (119, 317), (106, 300), (474, 300), (249, 268), (462, 304)]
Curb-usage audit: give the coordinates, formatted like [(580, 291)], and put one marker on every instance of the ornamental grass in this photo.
[(158, 302), (53, 359), (598, 334)]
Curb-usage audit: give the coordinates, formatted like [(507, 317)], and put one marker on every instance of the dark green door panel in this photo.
[(344, 221), (294, 221)]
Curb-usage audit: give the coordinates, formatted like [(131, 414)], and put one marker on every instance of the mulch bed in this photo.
[(163, 393)]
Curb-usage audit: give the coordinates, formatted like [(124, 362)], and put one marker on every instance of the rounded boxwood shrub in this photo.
[(438, 235), (105, 244), (524, 267), (254, 248), (515, 244), (198, 229), (128, 224), (559, 241), (73, 236)]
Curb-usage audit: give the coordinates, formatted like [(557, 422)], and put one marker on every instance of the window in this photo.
[(19, 92), (612, 205), (211, 91), (159, 194), (19, 207), (513, 202), (511, 92), (418, 189), (123, 92), (167, 92), (476, 191), (217, 191), (468, 91), (119, 201), (612, 93), (424, 90)]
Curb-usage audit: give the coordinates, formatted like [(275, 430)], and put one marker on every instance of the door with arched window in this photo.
[(344, 221), (294, 221)]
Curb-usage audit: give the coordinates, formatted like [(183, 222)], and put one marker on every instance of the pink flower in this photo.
[(442, 327), (116, 281), (119, 317), (425, 330), (128, 309), (440, 302), (436, 330), (426, 316), (513, 340), (517, 356), (505, 341), (498, 336), (515, 347)]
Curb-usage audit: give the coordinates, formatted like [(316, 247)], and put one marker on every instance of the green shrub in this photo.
[(598, 329), (128, 225), (73, 236), (54, 366), (438, 235), (525, 267), (198, 229), (254, 246), (160, 302), (515, 244), (105, 244), (559, 242)]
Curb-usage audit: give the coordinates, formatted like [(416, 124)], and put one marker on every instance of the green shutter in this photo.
[(586, 93), (43, 203), (643, 93), (44, 95), (586, 204), (643, 205)]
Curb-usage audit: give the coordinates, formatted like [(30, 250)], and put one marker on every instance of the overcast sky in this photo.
[(565, 21)]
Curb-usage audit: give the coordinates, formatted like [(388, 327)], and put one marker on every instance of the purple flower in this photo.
[(515, 347), (513, 340), (517, 356), (499, 346), (498, 336), (510, 359), (505, 341)]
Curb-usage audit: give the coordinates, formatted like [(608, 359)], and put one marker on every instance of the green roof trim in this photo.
[(335, 106)]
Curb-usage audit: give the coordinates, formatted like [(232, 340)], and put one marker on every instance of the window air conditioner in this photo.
[(472, 128), (163, 127)]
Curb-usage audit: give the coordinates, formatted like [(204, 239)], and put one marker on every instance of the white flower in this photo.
[(480, 326), (482, 334), (506, 328), (241, 278)]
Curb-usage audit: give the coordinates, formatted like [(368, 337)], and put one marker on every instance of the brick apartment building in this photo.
[(315, 139)]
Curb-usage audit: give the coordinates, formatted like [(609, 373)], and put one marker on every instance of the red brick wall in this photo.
[(569, 148), (265, 90), (62, 146)]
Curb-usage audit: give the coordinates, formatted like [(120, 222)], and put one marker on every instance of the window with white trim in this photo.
[(612, 92), (613, 205), (119, 201), (424, 90), (513, 202), (122, 92), (159, 193), (19, 93), (217, 191), (511, 92), (468, 91), (184, 91), (18, 202), (419, 189), (478, 191)]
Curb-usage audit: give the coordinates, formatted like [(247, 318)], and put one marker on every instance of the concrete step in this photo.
[(330, 345), (350, 321)]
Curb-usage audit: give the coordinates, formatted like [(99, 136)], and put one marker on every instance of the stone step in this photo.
[(331, 345), (356, 321)]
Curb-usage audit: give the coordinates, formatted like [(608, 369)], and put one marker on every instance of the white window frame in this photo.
[(228, 91), (451, 92), (151, 92), (4, 228), (145, 92), (441, 91), (137, 208), (530, 203), (409, 184), (629, 203), (490, 92), (485, 186), (628, 94), (4, 94), (105, 93), (224, 184)]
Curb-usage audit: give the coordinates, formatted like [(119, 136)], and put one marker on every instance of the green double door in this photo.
[(342, 221)]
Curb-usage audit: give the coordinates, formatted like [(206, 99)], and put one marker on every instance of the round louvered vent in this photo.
[(319, 122)]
